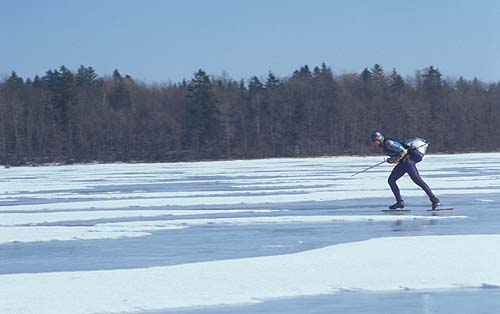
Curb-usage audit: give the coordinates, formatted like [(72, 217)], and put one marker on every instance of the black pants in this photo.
[(407, 165)]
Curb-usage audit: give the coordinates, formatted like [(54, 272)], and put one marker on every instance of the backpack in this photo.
[(416, 146)]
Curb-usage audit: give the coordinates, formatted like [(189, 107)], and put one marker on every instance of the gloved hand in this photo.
[(393, 160), (403, 153)]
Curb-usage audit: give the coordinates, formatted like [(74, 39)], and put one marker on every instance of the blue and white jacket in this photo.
[(392, 148)]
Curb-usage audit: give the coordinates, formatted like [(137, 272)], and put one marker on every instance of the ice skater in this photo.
[(405, 155)]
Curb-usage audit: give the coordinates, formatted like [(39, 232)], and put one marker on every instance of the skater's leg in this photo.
[(412, 170), (396, 173)]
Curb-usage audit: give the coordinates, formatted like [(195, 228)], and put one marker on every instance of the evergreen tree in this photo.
[(116, 75), (255, 85), (202, 126), (61, 85), (435, 106), (14, 80), (12, 120), (255, 101), (366, 76), (119, 95), (432, 82), (396, 82), (325, 116), (378, 73), (272, 81), (303, 73), (85, 76)]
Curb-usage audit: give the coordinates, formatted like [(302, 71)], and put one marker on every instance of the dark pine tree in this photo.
[(202, 126), (119, 96)]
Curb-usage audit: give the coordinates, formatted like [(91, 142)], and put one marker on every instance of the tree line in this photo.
[(76, 116)]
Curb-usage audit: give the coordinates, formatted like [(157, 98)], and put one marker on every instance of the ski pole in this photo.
[(378, 164)]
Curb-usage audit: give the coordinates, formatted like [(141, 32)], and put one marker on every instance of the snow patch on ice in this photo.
[(140, 228), (16, 219), (60, 233), (383, 264)]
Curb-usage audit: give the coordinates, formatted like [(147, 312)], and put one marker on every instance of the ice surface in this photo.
[(229, 183), (299, 206), (144, 228), (16, 219), (377, 264)]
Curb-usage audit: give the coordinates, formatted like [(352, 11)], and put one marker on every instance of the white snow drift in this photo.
[(427, 262)]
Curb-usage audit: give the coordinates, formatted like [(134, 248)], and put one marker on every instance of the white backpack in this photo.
[(416, 146)]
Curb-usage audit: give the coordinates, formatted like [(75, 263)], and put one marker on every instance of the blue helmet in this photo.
[(377, 136)]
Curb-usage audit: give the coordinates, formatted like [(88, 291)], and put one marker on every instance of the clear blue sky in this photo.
[(168, 40)]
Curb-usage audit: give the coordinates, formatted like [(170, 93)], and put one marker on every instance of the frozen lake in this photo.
[(260, 236)]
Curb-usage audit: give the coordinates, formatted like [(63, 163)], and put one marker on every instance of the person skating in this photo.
[(405, 156)]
